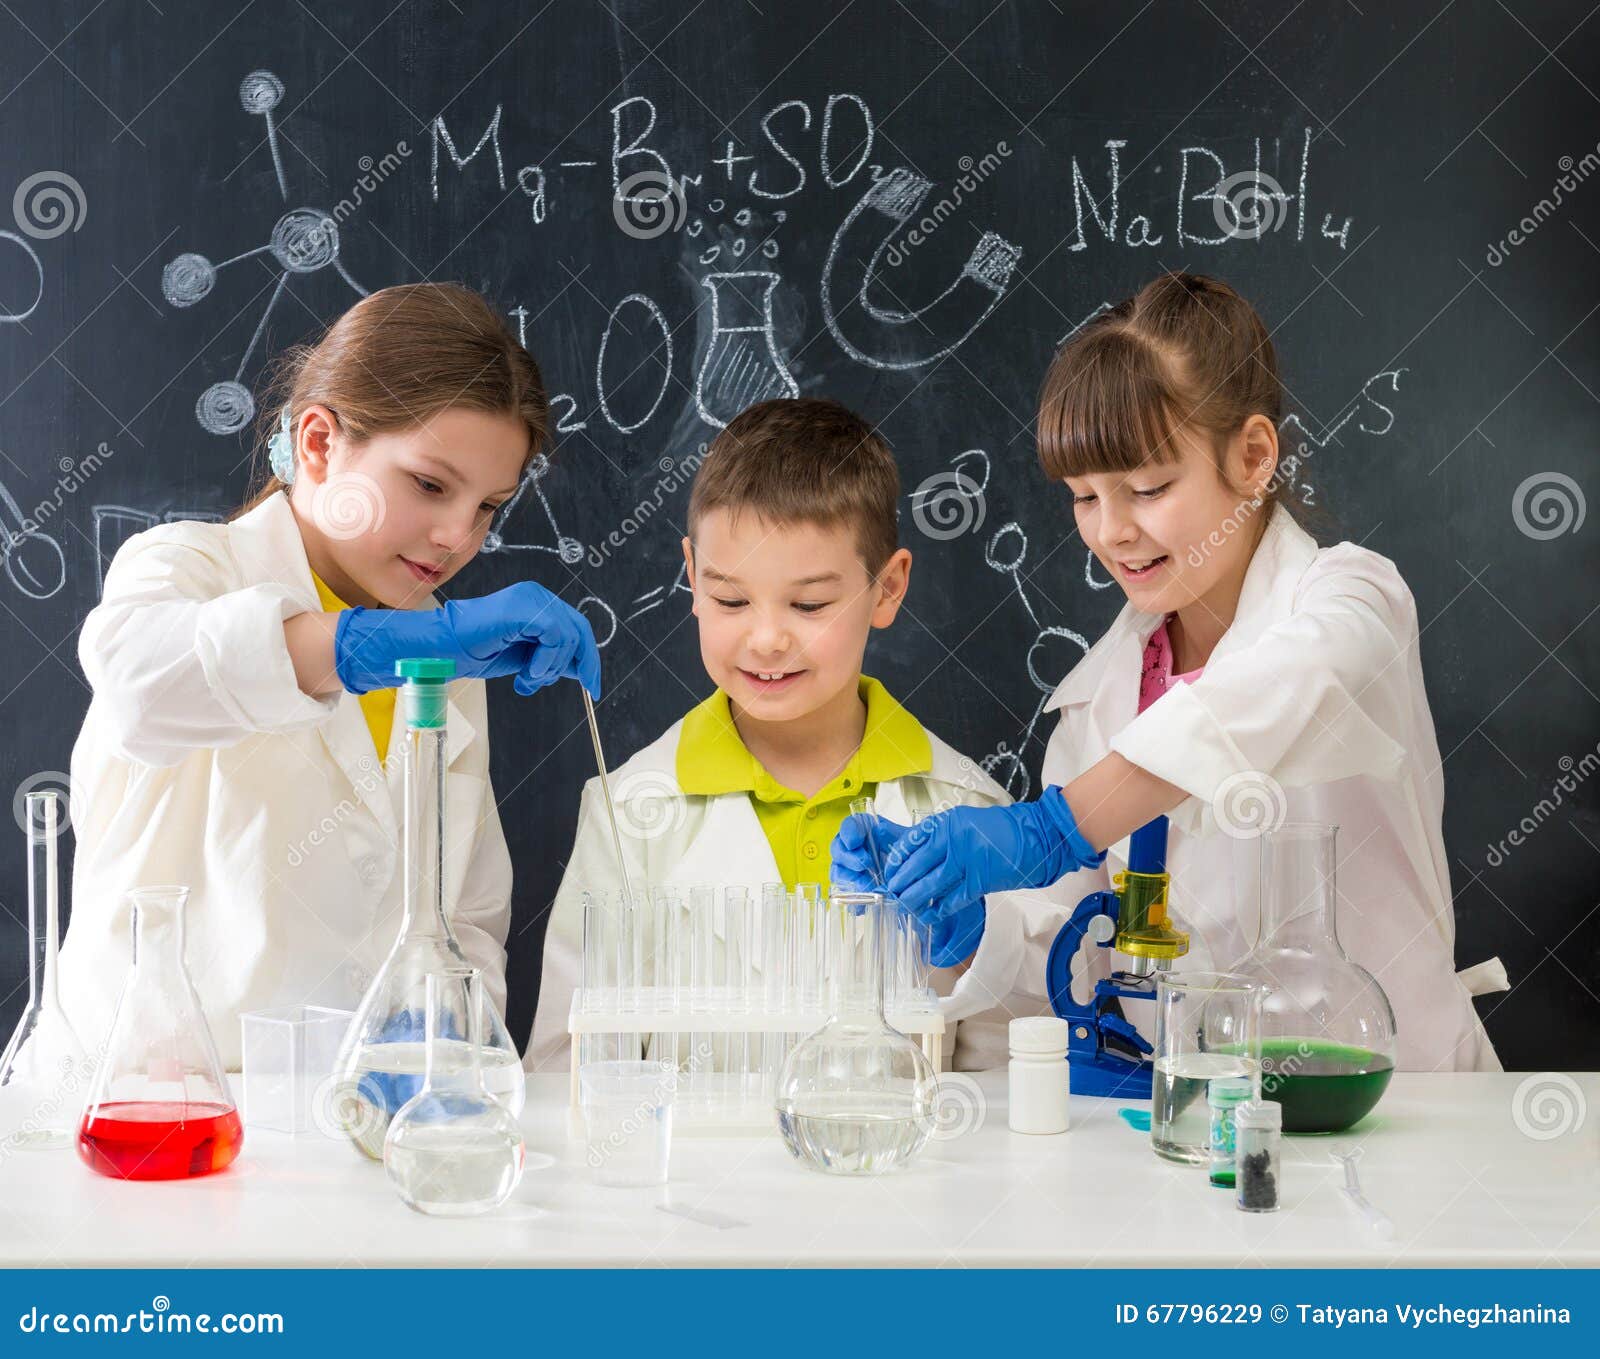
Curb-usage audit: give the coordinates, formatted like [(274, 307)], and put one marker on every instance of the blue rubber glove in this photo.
[(955, 938), (859, 850), (953, 859), (523, 630)]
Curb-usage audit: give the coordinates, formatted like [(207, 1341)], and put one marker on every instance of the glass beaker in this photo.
[(1327, 1028), (160, 1107), (1207, 1025), (382, 1060), (856, 1097), (627, 1120), (45, 1063), (453, 1149), (741, 365)]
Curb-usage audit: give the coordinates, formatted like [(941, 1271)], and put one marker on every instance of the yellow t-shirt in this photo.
[(378, 705), (712, 758)]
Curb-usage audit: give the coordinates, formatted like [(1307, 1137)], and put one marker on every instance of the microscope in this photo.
[(1106, 1053)]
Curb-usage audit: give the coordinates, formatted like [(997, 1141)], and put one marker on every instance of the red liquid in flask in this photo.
[(159, 1141)]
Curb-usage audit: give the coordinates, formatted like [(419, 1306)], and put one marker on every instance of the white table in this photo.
[(1444, 1157)]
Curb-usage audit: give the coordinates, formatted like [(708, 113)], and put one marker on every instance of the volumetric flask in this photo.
[(45, 1068), (381, 1061), (160, 1108)]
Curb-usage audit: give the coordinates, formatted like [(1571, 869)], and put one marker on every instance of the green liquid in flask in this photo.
[(1323, 1087)]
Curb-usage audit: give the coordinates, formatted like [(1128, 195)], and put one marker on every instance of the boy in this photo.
[(793, 559)]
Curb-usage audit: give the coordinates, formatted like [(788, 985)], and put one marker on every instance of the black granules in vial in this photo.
[(1258, 1186)]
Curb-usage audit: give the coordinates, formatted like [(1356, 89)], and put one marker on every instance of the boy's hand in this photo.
[(953, 859)]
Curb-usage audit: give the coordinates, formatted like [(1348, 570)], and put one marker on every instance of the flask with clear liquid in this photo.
[(453, 1149), (1327, 1028), (45, 1064), (160, 1107), (856, 1097), (382, 1061)]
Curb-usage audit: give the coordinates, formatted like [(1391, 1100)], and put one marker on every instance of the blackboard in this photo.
[(904, 207)]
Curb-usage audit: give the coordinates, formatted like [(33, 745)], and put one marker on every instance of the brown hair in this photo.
[(398, 357), (804, 460), (1185, 351)]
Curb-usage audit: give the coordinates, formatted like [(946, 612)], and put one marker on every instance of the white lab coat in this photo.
[(1317, 685), (718, 840), (201, 762)]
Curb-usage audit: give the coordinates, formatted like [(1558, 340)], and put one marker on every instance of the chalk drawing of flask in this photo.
[(742, 364)]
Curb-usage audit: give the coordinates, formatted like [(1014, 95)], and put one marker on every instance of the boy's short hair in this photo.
[(804, 460)]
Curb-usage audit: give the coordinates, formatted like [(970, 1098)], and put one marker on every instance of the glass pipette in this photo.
[(605, 785)]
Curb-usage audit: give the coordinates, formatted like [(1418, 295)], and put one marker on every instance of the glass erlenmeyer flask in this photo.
[(453, 1149), (856, 1097), (382, 1060), (45, 1063), (1327, 1029), (160, 1107)]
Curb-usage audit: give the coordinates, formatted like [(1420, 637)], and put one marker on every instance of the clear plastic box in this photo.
[(288, 1066)]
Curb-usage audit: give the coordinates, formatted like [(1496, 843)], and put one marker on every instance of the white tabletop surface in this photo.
[(1463, 1164)]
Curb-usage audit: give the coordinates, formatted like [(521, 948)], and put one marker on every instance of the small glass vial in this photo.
[(1224, 1094), (1258, 1137), (1039, 1075)]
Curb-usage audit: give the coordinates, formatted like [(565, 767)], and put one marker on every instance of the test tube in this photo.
[(736, 931), (774, 939), (599, 953), (864, 806), (629, 956), (736, 959), (664, 946), (702, 946), (809, 946)]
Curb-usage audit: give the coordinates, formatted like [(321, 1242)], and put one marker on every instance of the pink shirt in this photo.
[(1157, 677)]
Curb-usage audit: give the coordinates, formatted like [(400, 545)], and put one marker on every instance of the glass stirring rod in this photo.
[(605, 785)]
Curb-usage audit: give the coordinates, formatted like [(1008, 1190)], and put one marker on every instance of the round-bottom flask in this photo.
[(856, 1097), (1327, 1028), (454, 1150)]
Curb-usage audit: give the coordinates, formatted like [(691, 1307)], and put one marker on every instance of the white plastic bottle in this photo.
[(1039, 1077)]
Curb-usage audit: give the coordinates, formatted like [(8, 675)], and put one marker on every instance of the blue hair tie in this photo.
[(280, 450)]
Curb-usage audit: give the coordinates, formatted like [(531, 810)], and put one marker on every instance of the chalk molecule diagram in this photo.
[(302, 241)]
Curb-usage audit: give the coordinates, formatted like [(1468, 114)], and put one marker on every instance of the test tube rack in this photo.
[(724, 986)]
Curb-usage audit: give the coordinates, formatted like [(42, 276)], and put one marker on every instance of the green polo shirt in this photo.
[(712, 759)]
